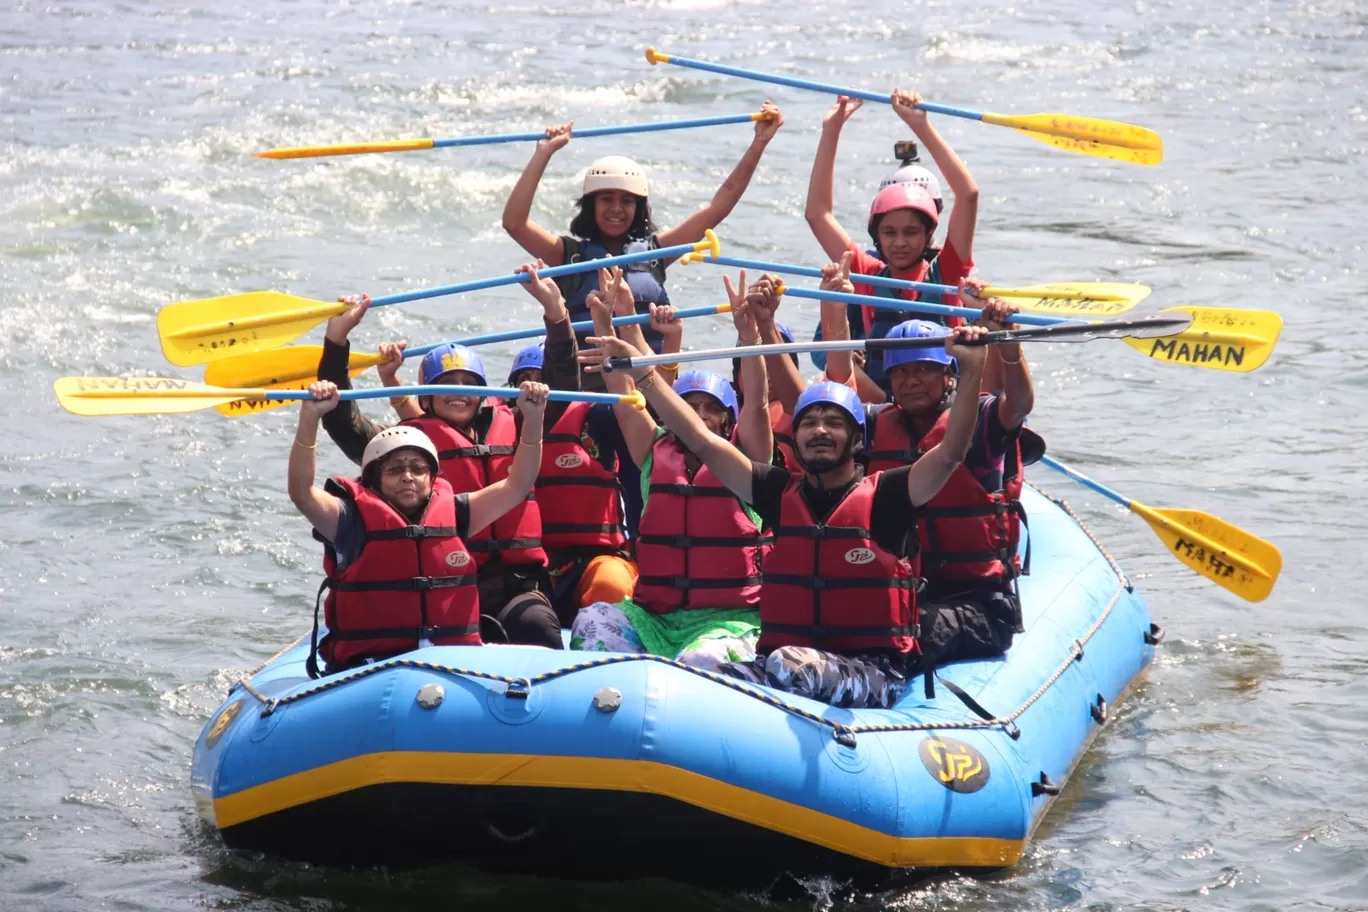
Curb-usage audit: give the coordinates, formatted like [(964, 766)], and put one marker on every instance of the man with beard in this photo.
[(838, 605)]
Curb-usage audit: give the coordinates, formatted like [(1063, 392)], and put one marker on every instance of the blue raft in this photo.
[(609, 765)]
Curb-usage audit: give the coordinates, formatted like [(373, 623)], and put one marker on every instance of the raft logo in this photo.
[(221, 724), (954, 764), (457, 559), (569, 461), (859, 556)]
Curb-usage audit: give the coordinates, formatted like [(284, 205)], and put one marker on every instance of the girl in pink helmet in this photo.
[(902, 219)]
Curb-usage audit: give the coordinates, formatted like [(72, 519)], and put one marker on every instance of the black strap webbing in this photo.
[(828, 631), (416, 584), (821, 584), (683, 582)]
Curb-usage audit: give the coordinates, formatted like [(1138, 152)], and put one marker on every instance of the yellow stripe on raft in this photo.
[(397, 145), (598, 774)]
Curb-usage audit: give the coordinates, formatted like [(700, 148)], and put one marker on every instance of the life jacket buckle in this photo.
[(422, 583)]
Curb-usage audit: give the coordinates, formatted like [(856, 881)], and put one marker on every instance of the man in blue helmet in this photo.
[(970, 531), (838, 602), (527, 365)]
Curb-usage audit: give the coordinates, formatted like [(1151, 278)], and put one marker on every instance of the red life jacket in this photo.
[(965, 532), (829, 585), (781, 422), (410, 582), (579, 499), (515, 536), (697, 547)]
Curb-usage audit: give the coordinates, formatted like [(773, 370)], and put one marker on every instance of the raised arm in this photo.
[(1017, 397), (964, 214), (729, 464), (820, 212), (840, 365), (671, 329), (932, 470), (349, 429), (729, 194), (637, 427), (321, 509), (753, 429), (493, 501), (393, 353), (517, 214), (781, 371)]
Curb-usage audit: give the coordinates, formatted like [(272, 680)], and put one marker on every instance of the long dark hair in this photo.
[(929, 253), (584, 226)]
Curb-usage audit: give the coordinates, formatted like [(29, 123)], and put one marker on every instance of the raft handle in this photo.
[(1099, 710), (518, 690), (1046, 786), (1012, 730), (844, 737), (1155, 635)]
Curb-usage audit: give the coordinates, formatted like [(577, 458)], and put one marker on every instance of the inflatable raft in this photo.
[(610, 765)]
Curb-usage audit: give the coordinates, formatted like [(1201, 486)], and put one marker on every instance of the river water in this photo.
[(146, 562)]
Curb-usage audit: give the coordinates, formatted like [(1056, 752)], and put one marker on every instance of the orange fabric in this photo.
[(606, 578)]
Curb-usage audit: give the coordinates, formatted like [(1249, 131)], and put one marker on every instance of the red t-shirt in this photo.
[(948, 265)]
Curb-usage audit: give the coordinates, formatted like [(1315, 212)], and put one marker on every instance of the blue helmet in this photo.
[(918, 329), (830, 393), (701, 381), (450, 357), (784, 332), (530, 358)]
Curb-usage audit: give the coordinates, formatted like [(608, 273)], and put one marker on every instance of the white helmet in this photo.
[(616, 172), (915, 174), (397, 438)]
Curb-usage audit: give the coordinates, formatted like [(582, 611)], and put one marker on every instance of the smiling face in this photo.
[(713, 413), (614, 211), (406, 479), (822, 436), (458, 410), (903, 238), (920, 387)]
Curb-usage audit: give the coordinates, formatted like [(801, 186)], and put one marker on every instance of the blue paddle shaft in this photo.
[(1085, 481), (918, 306), (534, 332), (501, 392), (813, 272), (826, 87), (664, 253), (595, 131)]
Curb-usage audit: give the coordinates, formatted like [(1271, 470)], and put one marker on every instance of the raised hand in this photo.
[(532, 402), (836, 276), (392, 354), (546, 291), (610, 347), (765, 130), (959, 344), (664, 321), (907, 105), (325, 399), (840, 112), (556, 138), (340, 326)]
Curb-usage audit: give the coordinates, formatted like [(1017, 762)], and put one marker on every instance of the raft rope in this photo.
[(520, 688)]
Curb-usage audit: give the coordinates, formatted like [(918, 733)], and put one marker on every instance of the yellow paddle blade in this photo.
[(397, 145), (210, 329), (293, 368), (1087, 135), (1091, 299), (1220, 338), (141, 395), (1227, 555)]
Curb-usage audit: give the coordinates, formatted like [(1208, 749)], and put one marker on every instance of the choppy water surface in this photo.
[(147, 562)]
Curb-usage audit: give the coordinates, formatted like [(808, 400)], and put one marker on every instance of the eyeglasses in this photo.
[(400, 469)]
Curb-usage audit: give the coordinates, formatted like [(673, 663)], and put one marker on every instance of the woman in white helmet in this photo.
[(613, 216), (391, 591)]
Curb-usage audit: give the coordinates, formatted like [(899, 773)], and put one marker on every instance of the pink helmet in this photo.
[(903, 196)]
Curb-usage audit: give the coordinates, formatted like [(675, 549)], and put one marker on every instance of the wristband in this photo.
[(669, 367), (397, 401)]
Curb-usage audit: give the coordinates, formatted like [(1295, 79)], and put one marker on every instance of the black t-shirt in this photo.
[(891, 523), (351, 531)]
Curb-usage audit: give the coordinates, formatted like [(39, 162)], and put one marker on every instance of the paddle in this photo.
[(170, 395), (413, 145), (1143, 327), (1227, 555), (1196, 346), (296, 366), (1099, 299), (1087, 135), (197, 332)]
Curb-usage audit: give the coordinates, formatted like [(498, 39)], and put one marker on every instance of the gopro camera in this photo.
[(905, 150)]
